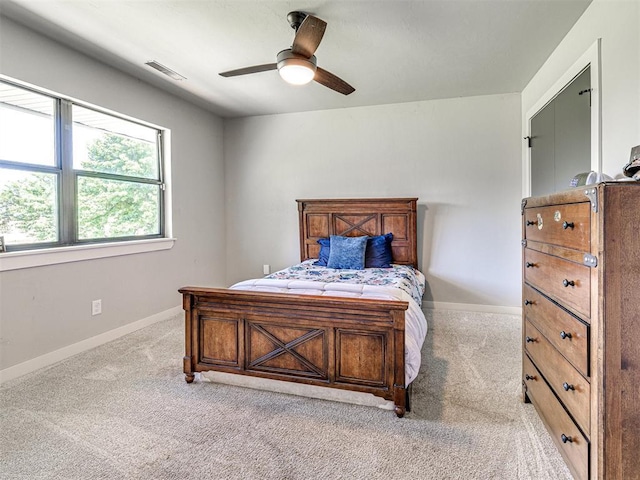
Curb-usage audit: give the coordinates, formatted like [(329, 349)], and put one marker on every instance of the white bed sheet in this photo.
[(415, 321)]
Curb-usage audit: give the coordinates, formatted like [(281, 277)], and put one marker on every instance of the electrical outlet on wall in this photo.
[(96, 307), (266, 269)]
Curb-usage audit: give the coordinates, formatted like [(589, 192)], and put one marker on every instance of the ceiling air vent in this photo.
[(167, 71)]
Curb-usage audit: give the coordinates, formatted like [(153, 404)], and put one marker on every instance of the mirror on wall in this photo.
[(560, 139)]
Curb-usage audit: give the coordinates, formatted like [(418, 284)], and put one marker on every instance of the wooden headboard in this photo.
[(357, 217)]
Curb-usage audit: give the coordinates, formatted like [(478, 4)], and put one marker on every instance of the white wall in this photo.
[(47, 308), (461, 157), (616, 22)]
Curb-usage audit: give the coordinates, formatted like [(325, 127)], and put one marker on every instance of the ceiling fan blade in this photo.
[(246, 70), (329, 80), (308, 36)]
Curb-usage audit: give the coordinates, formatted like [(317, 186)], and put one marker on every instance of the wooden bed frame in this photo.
[(347, 343)]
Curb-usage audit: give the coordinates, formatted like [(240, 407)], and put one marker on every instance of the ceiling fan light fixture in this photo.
[(297, 65), (296, 74), (296, 69)]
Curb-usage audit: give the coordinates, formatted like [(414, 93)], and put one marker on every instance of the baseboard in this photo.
[(69, 351), (471, 307)]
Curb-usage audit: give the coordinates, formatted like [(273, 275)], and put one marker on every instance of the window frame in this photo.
[(69, 247)]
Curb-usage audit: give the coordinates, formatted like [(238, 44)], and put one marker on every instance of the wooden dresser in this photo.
[(581, 324)]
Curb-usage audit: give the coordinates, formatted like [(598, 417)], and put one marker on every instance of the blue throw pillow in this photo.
[(347, 252), (323, 256), (378, 253)]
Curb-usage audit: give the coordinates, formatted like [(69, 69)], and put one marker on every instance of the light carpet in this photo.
[(124, 411)]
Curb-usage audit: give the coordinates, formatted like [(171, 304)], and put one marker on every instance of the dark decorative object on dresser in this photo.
[(632, 169), (581, 324)]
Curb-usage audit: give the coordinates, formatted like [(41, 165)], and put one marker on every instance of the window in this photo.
[(71, 174)]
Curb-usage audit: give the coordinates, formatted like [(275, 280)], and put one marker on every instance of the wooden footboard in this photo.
[(347, 343)]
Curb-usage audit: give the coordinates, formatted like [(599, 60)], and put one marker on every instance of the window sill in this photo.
[(77, 253)]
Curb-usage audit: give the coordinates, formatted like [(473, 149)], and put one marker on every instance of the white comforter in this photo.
[(415, 321)]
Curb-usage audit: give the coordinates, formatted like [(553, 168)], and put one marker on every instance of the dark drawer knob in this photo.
[(566, 439), (529, 265), (528, 302), (566, 225), (529, 377), (529, 340), (568, 283), (531, 222), (567, 387), (565, 335)]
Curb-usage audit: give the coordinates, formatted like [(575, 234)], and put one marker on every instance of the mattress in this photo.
[(401, 282)]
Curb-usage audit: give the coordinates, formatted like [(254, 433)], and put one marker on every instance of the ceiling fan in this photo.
[(297, 65)]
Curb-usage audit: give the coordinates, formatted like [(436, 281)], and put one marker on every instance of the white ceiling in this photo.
[(390, 51)]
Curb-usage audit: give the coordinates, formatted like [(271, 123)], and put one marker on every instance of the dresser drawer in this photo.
[(572, 445), (565, 332), (567, 282), (564, 225), (566, 381)]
